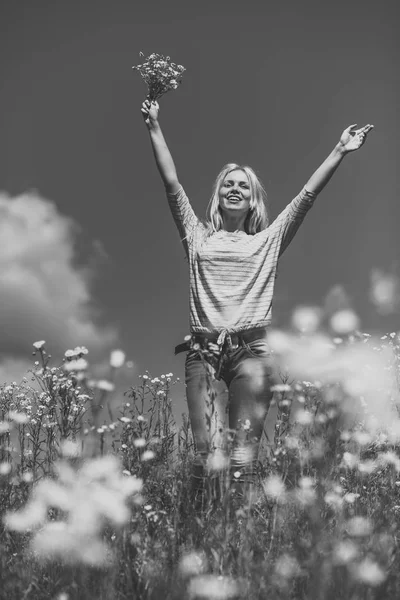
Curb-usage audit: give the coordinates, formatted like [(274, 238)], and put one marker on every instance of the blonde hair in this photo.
[(257, 217)]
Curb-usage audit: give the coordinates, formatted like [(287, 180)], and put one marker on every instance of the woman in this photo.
[(232, 266)]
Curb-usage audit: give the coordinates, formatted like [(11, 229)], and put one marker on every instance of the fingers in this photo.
[(147, 105), (362, 133), (149, 110), (350, 127), (367, 128), (364, 129), (145, 110), (361, 130), (150, 103), (214, 348)]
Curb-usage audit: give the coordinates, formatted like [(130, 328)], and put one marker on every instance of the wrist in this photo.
[(153, 126), (340, 149)]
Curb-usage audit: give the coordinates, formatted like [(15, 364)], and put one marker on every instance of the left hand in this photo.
[(352, 139)]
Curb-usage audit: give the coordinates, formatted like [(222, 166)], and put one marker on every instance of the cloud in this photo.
[(44, 293)]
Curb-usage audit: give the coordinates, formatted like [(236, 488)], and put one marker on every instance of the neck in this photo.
[(234, 224)]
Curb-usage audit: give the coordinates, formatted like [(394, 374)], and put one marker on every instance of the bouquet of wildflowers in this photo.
[(160, 74)]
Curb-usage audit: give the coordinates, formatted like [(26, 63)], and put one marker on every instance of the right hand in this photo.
[(352, 139), (150, 112)]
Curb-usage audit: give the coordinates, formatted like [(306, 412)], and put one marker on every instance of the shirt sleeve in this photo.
[(287, 223), (184, 217)]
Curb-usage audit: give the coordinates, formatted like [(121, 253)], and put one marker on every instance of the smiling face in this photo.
[(235, 194)]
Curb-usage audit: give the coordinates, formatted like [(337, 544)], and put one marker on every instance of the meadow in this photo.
[(95, 503)]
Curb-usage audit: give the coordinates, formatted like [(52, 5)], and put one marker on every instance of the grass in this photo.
[(100, 508)]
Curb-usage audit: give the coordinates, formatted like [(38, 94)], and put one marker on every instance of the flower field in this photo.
[(97, 505)]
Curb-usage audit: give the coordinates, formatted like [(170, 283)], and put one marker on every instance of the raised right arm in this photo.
[(164, 161)]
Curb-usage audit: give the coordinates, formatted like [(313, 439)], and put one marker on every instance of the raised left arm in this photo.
[(350, 140)]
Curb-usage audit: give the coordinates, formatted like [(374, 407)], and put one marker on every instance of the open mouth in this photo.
[(234, 198)]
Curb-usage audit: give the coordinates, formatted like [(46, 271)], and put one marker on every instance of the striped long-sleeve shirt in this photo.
[(232, 274)]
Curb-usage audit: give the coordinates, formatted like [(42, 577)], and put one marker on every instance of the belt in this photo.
[(224, 340)]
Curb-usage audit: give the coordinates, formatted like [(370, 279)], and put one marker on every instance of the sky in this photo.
[(90, 255)]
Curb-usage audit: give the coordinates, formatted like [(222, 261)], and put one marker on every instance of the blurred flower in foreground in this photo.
[(18, 417), (117, 359), (89, 497), (350, 497), (147, 455), (160, 74), (255, 371), (104, 385), (5, 468), (287, 566), (384, 292), (139, 442), (304, 417), (369, 572), (212, 587), (359, 527), (217, 461), (274, 488), (192, 563), (334, 500), (357, 367), (389, 458), (344, 552), (344, 322), (305, 493), (307, 319), (79, 364), (5, 426), (70, 449), (362, 438), (367, 466), (349, 460)]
